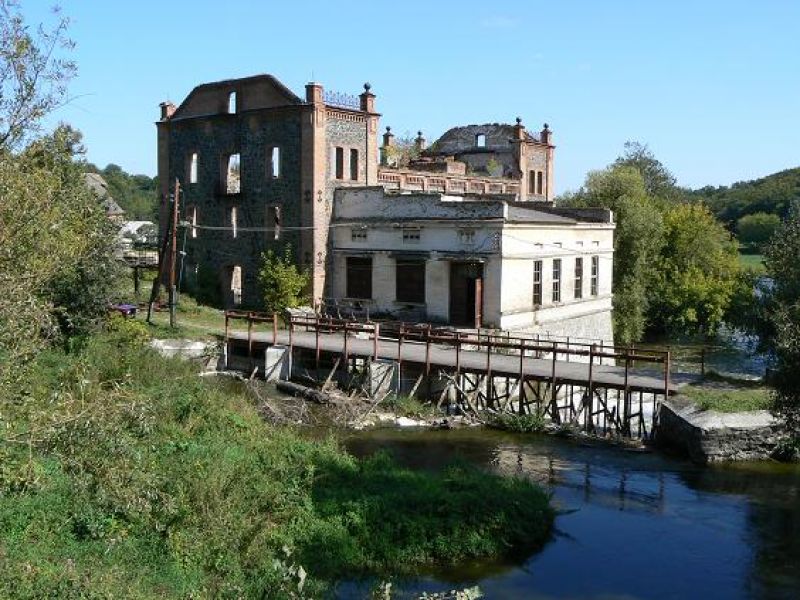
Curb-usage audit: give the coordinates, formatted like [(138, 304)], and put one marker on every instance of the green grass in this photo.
[(531, 423), (752, 261), (728, 400), (123, 474)]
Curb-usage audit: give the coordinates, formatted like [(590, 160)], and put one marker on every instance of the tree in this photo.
[(659, 182), (283, 284), (782, 302), (33, 73), (756, 229), (697, 272), (637, 241)]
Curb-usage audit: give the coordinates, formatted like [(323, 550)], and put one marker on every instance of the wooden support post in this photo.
[(316, 346), (626, 408), (589, 408), (250, 338), (274, 328), (489, 379), (376, 332), (522, 397), (399, 359)]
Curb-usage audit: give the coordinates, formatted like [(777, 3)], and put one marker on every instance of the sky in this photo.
[(712, 87)]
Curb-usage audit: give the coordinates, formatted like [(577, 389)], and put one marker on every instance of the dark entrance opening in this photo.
[(466, 294)]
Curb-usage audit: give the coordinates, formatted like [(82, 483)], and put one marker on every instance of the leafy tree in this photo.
[(136, 194), (659, 182), (696, 274), (757, 229), (33, 74), (637, 241), (782, 301), (283, 284)]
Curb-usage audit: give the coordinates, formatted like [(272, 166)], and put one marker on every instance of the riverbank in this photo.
[(126, 474)]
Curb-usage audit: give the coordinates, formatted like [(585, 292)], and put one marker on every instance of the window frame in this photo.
[(412, 235), (273, 165), (338, 162), (594, 280), (556, 291), (538, 269), (411, 290), (358, 278), (354, 164), (578, 291)]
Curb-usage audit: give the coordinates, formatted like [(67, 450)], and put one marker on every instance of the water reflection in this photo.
[(632, 525)]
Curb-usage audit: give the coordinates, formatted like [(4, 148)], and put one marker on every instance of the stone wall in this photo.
[(709, 436)]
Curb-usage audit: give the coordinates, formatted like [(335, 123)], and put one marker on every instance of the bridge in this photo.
[(603, 388)]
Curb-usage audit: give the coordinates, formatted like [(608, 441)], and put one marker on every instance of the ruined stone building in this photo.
[(261, 168)]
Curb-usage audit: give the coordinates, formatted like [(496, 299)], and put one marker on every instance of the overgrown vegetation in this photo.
[(728, 400), (530, 423), (283, 284), (136, 194), (124, 473)]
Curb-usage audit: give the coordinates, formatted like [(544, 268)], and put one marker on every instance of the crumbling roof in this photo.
[(499, 136), (99, 188)]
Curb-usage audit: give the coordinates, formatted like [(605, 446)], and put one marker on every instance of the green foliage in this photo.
[(125, 474), (659, 182), (637, 241), (136, 194), (530, 423), (283, 284), (697, 272), (781, 314), (756, 229), (773, 194), (34, 73), (728, 400)]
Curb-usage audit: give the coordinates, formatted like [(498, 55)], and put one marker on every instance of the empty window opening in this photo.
[(480, 140), (410, 281), (234, 224), (540, 183), (358, 234), (274, 162), (595, 275), (359, 277), (578, 278), (354, 164), (236, 284), (232, 103), (273, 223), (193, 221), (537, 283), (556, 280), (411, 235), (339, 160), (232, 174), (466, 236), (531, 182), (193, 168)]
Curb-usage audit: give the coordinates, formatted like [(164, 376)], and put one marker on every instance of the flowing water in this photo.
[(633, 525)]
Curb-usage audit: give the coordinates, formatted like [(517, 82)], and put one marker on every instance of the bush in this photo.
[(283, 284), (530, 423)]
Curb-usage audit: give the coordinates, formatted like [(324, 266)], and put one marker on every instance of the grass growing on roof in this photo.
[(123, 474)]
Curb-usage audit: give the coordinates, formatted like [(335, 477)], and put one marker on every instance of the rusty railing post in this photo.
[(316, 344), (376, 332), (589, 419), (553, 400)]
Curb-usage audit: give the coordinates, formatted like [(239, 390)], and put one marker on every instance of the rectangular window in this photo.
[(354, 164), (358, 234), (531, 182), (595, 274), (231, 174), (578, 278), (193, 168), (537, 283), (193, 221), (273, 223), (236, 284), (234, 221), (466, 236), (556, 280), (411, 235), (339, 160), (480, 140), (540, 183), (232, 102), (359, 277), (410, 280), (274, 162)]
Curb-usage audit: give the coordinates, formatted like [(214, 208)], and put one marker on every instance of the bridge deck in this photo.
[(502, 365)]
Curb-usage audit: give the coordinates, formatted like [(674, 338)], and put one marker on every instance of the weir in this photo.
[(604, 389)]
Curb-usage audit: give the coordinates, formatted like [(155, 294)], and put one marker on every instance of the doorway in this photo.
[(466, 294)]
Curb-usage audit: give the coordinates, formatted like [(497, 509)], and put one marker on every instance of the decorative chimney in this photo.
[(167, 110), (367, 99), (314, 93), (419, 143), (546, 134), (388, 142)]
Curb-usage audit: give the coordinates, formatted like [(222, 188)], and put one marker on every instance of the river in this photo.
[(633, 525)]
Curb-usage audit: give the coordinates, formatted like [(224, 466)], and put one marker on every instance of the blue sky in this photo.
[(712, 86)]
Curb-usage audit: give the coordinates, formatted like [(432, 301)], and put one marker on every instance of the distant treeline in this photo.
[(136, 194), (772, 194)]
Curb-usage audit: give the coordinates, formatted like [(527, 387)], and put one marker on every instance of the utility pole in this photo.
[(173, 298)]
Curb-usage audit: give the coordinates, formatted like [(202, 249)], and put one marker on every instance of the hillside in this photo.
[(771, 194), (136, 194)]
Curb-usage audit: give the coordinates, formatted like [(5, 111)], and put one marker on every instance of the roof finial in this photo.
[(519, 120), (388, 129), (367, 87)]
